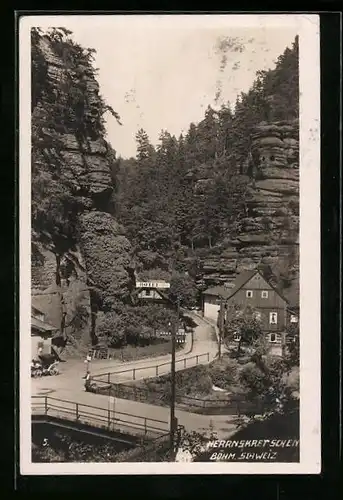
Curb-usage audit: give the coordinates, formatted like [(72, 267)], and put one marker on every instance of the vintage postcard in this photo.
[(169, 244)]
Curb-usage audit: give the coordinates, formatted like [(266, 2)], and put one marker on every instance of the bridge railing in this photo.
[(154, 369), (107, 418)]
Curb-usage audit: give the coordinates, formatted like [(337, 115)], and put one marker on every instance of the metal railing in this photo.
[(232, 405), (156, 370), (106, 418)]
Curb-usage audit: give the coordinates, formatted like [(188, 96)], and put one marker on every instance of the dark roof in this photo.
[(35, 304), (243, 278), (161, 293), (292, 297), (165, 296), (219, 291), (227, 292), (42, 326)]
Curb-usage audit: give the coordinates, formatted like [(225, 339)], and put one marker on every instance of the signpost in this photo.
[(180, 335), (174, 332)]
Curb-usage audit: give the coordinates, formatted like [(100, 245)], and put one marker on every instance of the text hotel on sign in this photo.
[(152, 284)]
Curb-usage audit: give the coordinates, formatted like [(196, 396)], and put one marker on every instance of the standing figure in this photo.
[(87, 381), (88, 361)]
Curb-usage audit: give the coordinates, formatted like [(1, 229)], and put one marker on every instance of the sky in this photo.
[(161, 72)]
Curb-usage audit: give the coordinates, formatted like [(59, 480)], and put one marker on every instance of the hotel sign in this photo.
[(180, 332), (152, 284), (180, 335)]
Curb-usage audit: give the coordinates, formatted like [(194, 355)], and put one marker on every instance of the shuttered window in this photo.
[(273, 318)]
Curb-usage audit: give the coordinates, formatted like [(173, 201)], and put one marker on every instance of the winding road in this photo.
[(69, 385)]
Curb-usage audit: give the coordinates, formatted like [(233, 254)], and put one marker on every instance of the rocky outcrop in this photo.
[(107, 254), (268, 234), (67, 306), (97, 270), (86, 159)]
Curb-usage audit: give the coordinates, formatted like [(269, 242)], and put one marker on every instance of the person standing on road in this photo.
[(87, 361), (87, 381)]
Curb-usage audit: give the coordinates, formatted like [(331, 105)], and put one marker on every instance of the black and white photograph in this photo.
[(169, 244)]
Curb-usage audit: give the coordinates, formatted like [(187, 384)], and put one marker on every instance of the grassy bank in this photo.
[(132, 353), (194, 389), (225, 386)]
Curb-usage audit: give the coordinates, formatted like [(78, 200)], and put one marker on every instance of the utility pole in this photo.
[(173, 420), (221, 326)]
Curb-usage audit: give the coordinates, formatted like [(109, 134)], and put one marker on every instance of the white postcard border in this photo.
[(310, 368)]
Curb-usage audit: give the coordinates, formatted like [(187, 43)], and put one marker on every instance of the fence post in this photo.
[(109, 418), (208, 356), (156, 370), (46, 405), (197, 359), (145, 429), (77, 412), (134, 374), (108, 378), (185, 362)]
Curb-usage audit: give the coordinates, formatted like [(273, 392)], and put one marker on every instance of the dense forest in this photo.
[(158, 215), (181, 200)]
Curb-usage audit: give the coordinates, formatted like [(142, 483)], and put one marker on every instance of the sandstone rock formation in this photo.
[(268, 234), (100, 260)]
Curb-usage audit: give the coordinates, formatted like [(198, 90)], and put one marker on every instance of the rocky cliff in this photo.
[(93, 268), (268, 233)]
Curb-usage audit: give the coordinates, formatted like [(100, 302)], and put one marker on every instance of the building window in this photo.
[(249, 294), (272, 158), (273, 318), (147, 293), (294, 319), (236, 337), (264, 294), (275, 338)]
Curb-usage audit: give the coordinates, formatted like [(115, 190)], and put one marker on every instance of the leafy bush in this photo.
[(267, 380), (46, 454), (194, 381), (224, 372), (183, 287), (253, 378), (134, 325)]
